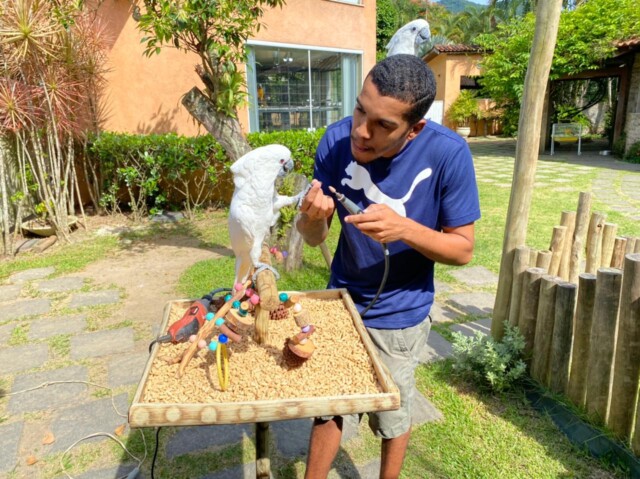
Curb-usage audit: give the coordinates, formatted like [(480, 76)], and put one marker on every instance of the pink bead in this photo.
[(273, 250), (193, 338), (255, 299), (202, 344), (249, 292), (297, 308), (238, 286)]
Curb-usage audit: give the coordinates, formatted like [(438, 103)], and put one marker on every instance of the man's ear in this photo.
[(415, 129)]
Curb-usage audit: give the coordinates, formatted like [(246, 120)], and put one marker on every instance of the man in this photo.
[(415, 182)]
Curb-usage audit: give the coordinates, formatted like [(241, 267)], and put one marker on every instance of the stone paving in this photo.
[(48, 333)]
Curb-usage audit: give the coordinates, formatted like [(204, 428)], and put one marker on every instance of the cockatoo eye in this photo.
[(283, 161), (413, 29)]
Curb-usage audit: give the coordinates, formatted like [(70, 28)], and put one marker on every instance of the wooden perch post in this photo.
[(594, 242), (602, 342), (617, 258), (535, 86), (560, 355), (624, 392), (268, 291), (568, 219), (544, 329), (520, 265), (556, 248), (529, 307), (608, 241), (579, 235), (544, 260)]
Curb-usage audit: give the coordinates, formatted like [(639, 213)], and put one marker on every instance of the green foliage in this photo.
[(633, 153), (458, 6), (492, 364), (567, 114), (619, 146), (464, 108)]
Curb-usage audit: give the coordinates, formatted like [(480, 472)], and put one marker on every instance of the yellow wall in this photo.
[(143, 94)]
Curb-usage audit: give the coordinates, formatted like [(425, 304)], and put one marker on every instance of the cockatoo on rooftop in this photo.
[(410, 38), (255, 204)]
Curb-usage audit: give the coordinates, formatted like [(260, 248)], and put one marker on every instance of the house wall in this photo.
[(143, 94), (633, 106)]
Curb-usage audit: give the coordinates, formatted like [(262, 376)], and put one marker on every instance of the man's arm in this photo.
[(452, 245), (316, 212)]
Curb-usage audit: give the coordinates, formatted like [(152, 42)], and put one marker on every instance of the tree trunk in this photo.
[(224, 129), (6, 227), (544, 41)]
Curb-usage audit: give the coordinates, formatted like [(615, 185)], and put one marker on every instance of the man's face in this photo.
[(379, 128)]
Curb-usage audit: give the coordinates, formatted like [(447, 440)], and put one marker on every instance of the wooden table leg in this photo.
[(263, 463)]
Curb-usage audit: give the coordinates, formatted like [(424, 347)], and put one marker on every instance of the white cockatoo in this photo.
[(255, 204), (410, 38)]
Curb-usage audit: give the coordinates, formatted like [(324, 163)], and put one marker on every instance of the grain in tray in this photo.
[(340, 365)]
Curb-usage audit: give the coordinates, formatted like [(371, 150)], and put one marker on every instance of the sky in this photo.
[(481, 2)]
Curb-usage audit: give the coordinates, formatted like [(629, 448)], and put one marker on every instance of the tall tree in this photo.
[(216, 31)]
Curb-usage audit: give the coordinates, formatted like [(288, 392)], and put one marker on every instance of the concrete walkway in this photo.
[(38, 346)]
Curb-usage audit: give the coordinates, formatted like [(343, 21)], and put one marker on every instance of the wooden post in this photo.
[(617, 258), (636, 247), (568, 219), (608, 240), (594, 242), (579, 235), (529, 307), (326, 254), (269, 301), (544, 260), (560, 356), (544, 329), (626, 373), (602, 342), (524, 172), (556, 248), (520, 264), (631, 245), (533, 257), (263, 463), (582, 332)]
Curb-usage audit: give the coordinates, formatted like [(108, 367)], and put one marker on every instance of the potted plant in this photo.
[(41, 225), (462, 110)]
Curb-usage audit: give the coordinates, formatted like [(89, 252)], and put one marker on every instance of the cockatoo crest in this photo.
[(410, 38), (255, 204)]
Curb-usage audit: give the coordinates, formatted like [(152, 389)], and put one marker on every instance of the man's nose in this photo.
[(363, 130)]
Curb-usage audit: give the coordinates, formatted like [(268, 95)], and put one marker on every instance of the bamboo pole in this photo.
[(626, 373), (568, 219), (535, 85), (560, 356), (582, 331), (617, 258), (544, 260), (594, 242), (520, 264), (529, 307), (602, 342), (544, 329), (556, 248), (579, 235), (608, 240)]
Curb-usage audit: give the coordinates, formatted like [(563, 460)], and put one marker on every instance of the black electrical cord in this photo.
[(382, 283), (155, 452)]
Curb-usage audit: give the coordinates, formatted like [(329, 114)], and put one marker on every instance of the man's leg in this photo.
[(392, 455), (323, 447)]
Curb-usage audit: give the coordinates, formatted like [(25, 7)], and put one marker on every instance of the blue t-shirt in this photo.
[(432, 181)]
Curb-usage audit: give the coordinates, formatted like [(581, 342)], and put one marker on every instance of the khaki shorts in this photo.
[(398, 350)]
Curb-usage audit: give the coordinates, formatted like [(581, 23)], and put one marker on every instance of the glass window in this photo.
[(292, 88)]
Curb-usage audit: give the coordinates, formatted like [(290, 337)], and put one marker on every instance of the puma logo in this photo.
[(359, 179)]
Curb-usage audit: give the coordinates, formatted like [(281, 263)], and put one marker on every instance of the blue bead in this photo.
[(223, 339), (236, 304), (209, 316), (213, 345), (283, 297), (219, 322), (228, 297)]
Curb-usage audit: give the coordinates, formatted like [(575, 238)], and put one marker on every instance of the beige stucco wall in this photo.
[(632, 123), (143, 94)]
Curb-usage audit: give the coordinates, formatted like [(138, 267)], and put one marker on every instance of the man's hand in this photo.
[(316, 212), (380, 223)]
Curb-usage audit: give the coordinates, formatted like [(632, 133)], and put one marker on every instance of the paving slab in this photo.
[(31, 274), (21, 358), (94, 298), (9, 441), (479, 303), (423, 411), (442, 314), (50, 397), (292, 437), (62, 284), (126, 369), (101, 343), (5, 332), (10, 292), (475, 276), (245, 471), (47, 328), (437, 348), (24, 308), (71, 424), (188, 440), (469, 329), (115, 472)]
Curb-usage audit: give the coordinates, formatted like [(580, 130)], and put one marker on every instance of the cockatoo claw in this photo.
[(260, 267)]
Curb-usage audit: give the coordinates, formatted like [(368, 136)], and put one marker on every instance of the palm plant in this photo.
[(51, 61)]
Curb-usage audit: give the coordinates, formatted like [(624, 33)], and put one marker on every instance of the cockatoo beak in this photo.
[(286, 168), (423, 35)]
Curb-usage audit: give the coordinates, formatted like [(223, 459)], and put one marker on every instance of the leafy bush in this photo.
[(618, 146), (464, 108), (492, 364), (633, 154)]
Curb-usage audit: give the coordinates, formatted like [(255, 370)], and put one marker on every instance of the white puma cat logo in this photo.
[(361, 180)]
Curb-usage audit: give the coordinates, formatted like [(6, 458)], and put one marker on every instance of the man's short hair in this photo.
[(406, 78)]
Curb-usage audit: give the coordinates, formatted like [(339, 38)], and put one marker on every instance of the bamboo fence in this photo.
[(578, 308)]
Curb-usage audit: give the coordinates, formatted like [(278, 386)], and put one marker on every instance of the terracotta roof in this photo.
[(457, 48), (629, 43)]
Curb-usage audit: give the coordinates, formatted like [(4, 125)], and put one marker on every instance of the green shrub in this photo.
[(618, 146), (633, 154), (489, 363)]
